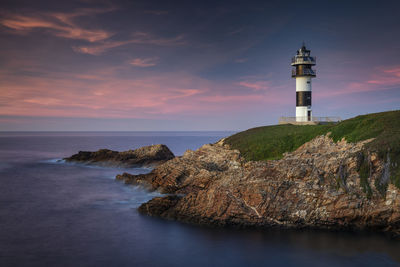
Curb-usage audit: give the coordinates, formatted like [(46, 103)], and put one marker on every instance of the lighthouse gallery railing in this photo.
[(303, 72), (304, 60)]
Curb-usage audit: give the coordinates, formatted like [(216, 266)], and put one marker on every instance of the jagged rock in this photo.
[(159, 205), (317, 186), (144, 156)]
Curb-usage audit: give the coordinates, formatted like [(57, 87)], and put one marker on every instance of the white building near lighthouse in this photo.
[(303, 73)]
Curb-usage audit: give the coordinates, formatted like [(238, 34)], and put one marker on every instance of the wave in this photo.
[(132, 170)]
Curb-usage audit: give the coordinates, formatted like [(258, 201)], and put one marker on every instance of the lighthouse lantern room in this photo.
[(302, 71)]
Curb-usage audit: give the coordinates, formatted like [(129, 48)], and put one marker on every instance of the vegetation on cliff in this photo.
[(270, 142)]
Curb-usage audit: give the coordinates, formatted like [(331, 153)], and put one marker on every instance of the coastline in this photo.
[(216, 186)]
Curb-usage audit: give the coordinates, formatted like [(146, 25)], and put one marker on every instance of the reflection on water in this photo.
[(58, 214)]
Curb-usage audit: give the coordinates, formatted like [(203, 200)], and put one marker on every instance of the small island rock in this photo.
[(144, 156)]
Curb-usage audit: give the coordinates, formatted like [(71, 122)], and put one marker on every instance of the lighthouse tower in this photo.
[(303, 73)]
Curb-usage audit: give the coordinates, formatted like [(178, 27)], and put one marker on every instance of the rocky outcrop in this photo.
[(144, 156), (192, 172), (318, 185)]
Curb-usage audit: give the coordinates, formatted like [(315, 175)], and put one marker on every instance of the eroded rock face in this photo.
[(192, 172), (144, 156), (317, 185)]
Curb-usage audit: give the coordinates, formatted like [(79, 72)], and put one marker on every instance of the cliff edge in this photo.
[(324, 181), (317, 185)]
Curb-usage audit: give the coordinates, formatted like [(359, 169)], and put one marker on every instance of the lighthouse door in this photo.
[(309, 115)]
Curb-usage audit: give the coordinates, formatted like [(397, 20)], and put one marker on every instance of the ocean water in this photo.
[(59, 214)]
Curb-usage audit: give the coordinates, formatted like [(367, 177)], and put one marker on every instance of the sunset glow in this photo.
[(206, 68)]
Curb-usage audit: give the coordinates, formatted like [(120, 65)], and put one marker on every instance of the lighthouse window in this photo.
[(308, 81)]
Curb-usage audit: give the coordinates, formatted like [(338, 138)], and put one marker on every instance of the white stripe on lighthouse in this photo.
[(303, 84)]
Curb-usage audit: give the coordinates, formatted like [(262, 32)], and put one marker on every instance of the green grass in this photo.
[(270, 142)]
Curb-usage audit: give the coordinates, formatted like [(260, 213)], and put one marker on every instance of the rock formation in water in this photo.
[(317, 186), (144, 156)]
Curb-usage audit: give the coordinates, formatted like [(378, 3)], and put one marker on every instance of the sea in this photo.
[(54, 213)]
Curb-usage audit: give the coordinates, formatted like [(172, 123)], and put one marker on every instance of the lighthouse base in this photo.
[(313, 121), (303, 114)]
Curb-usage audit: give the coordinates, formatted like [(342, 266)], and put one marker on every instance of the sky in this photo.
[(190, 65)]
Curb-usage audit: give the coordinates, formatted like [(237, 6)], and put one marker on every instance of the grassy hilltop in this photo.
[(270, 142)]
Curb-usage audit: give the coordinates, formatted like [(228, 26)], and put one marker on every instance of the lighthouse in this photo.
[(302, 71)]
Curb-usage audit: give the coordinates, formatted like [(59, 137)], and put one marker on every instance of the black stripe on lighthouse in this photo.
[(303, 98)]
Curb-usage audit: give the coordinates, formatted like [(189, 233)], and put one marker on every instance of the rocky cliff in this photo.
[(144, 156), (318, 185)]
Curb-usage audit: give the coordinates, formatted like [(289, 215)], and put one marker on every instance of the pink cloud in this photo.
[(381, 79), (65, 25), (257, 85), (101, 93), (144, 62), (386, 76), (233, 98), (182, 93), (98, 49), (137, 38), (59, 24), (394, 70)]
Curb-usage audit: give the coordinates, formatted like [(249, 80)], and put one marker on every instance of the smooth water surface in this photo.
[(58, 214)]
